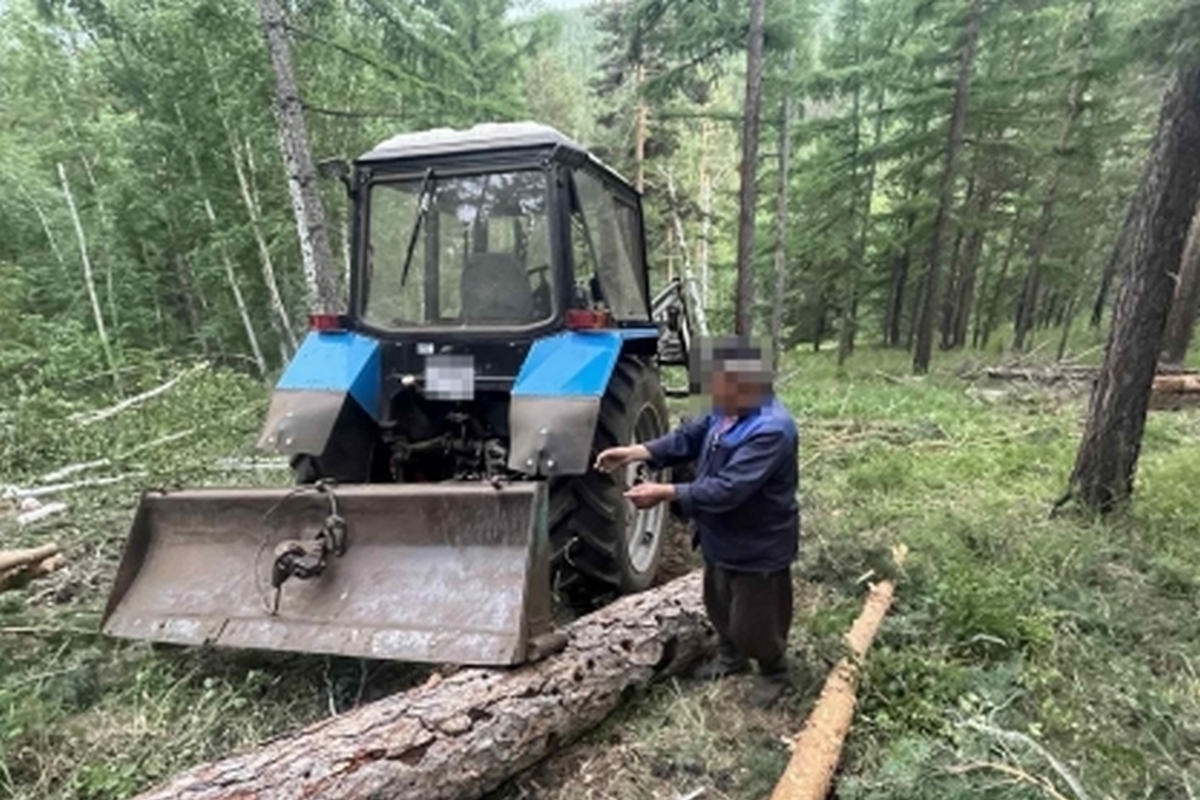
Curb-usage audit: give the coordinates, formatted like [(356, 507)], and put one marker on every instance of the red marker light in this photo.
[(585, 319), (326, 322)]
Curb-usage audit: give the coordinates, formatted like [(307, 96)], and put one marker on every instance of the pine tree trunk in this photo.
[(320, 275), (899, 281), (1117, 260), (1108, 453), (1027, 307), (748, 198), (464, 735), (972, 251), (1181, 322), (958, 124), (89, 280), (781, 215), (639, 133), (992, 316), (706, 212)]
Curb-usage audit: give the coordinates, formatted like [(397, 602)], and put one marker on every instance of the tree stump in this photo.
[(461, 736)]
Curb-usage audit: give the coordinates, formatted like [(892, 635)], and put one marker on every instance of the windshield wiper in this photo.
[(422, 209)]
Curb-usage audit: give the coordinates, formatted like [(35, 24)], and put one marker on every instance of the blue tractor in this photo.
[(500, 332)]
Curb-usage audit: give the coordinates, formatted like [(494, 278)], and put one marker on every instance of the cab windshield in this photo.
[(458, 251)]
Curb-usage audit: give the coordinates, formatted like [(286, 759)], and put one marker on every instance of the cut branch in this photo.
[(91, 417)]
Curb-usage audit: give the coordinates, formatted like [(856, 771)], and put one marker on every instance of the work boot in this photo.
[(772, 681), (727, 662)]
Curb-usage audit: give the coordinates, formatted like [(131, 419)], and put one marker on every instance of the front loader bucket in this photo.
[(445, 573)]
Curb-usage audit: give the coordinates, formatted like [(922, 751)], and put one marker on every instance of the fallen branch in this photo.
[(21, 576), (11, 559), (170, 437), (41, 512), (55, 488), (90, 417), (818, 748), (1016, 737), (71, 469), (462, 736)]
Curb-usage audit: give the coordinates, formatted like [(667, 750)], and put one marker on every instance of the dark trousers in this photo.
[(752, 612)]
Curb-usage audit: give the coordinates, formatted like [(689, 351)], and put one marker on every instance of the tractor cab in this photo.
[(503, 227)]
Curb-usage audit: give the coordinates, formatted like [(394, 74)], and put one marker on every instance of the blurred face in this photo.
[(733, 392)]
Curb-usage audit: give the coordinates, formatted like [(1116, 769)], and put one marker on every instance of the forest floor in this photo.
[(1025, 657)]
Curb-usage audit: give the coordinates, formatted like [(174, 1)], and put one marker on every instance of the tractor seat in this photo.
[(495, 288)]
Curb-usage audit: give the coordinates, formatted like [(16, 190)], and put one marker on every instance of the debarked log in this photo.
[(464, 735)]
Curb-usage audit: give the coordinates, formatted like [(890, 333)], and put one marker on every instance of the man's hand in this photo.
[(648, 495), (614, 458)]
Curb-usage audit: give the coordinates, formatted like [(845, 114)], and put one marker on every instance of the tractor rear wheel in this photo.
[(601, 542)]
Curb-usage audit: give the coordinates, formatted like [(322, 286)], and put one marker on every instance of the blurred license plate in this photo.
[(450, 377)]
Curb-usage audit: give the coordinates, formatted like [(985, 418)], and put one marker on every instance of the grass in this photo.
[(1014, 637)]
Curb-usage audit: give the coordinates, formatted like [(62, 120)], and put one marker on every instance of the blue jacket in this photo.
[(742, 501)]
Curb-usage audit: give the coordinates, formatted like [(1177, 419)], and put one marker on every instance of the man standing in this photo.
[(743, 507)]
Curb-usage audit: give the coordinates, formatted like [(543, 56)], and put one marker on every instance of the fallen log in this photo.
[(464, 735), (1188, 383), (21, 576), (11, 559), (818, 748)]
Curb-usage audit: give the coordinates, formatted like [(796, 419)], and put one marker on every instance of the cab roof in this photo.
[(485, 137)]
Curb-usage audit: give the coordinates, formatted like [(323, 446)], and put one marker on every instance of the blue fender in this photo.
[(329, 367), (556, 399)]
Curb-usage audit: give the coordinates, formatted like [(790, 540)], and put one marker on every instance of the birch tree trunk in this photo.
[(278, 309), (1108, 452), (320, 276), (230, 275), (958, 123), (89, 279), (689, 276), (781, 215), (748, 199), (46, 229)]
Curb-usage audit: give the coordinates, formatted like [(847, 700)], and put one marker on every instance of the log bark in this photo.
[(818, 748), (13, 559), (463, 736), (21, 576), (1102, 478)]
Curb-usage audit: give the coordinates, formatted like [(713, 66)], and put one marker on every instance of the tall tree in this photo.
[(320, 274), (748, 195), (1027, 306), (1102, 478), (1181, 322), (781, 212), (958, 123)]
